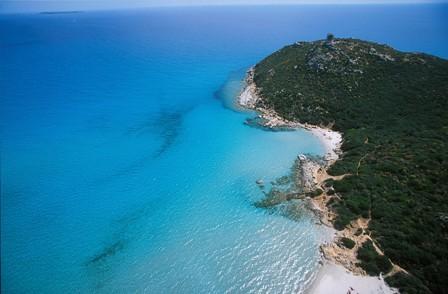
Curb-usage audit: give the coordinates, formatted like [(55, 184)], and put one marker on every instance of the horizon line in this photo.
[(15, 5)]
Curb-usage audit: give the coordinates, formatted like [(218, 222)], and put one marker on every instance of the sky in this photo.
[(8, 6)]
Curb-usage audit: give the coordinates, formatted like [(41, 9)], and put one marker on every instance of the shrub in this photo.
[(315, 193), (372, 262), (383, 263), (407, 284), (347, 242)]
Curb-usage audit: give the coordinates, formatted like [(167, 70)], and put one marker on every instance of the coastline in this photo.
[(339, 272)]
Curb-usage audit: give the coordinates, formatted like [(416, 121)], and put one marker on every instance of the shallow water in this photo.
[(124, 167)]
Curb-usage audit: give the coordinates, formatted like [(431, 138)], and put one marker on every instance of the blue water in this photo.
[(125, 170)]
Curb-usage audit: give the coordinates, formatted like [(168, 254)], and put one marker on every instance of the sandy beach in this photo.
[(339, 273), (330, 139), (335, 279)]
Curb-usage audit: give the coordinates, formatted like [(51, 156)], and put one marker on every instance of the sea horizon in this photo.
[(31, 7)]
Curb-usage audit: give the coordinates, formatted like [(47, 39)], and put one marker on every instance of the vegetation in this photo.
[(347, 242), (392, 108), (407, 283), (371, 261), (314, 193)]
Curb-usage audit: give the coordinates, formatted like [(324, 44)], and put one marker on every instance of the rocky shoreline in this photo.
[(313, 179)]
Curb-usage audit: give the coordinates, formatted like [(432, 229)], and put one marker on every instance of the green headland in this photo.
[(392, 109)]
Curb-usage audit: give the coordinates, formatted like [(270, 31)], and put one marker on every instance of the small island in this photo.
[(383, 183), (62, 12)]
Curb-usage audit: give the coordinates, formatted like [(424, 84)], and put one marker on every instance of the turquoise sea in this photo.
[(124, 168)]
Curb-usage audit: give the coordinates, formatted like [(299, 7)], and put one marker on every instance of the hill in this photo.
[(392, 108)]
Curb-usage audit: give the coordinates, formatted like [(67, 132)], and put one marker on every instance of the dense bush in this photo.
[(372, 262), (392, 108), (347, 242), (407, 284), (315, 193)]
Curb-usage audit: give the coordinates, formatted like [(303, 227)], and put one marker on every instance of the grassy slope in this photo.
[(392, 108)]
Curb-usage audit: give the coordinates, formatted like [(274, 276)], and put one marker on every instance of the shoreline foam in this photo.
[(339, 272)]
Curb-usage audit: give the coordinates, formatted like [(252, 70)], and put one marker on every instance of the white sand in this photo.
[(335, 279), (331, 140)]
